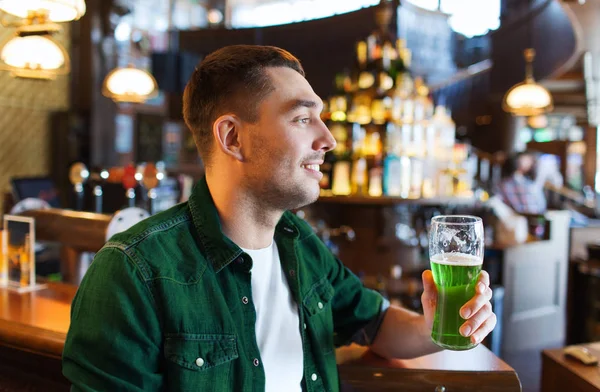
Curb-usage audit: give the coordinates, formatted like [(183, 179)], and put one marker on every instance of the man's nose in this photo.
[(325, 142)]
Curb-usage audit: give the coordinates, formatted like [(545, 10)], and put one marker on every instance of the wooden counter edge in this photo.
[(32, 339), (383, 379)]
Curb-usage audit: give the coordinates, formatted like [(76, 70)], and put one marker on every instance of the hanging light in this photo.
[(54, 10), (35, 57), (528, 98), (130, 84)]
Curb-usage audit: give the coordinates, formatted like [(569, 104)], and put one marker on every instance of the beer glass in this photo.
[(456, 255)]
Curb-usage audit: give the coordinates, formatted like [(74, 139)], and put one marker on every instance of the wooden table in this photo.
[(33, 329), (560, 373)]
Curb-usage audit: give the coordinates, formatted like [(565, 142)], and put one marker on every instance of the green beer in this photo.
[(455, 276)]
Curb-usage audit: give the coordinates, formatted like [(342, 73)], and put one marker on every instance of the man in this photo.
[(229, 292), (518, 188)]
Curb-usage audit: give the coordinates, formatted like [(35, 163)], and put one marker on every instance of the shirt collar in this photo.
[(219, 249)]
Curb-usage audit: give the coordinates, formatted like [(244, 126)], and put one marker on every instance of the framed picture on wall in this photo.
[(18, 247), (149, 137)]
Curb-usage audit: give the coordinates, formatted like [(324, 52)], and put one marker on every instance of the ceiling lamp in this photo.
[(53, 10), (528, 98), (130, 84), (35, 57)]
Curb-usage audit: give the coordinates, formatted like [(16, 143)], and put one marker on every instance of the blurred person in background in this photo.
[(518, 187)]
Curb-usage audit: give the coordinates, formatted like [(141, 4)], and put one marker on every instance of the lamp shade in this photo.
[(527, 99), (58, 10), (34, 56), (129, 84)]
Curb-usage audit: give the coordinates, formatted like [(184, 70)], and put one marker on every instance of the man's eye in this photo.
[(304, 120)]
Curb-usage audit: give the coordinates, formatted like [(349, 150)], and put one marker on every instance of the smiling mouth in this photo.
[(312, 167)]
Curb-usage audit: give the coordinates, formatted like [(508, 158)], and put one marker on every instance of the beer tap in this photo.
[(150, 182), (78, 175), (98, 192), (98, 199), (129, 182)]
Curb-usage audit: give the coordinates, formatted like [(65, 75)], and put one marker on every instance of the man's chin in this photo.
[(309, 197)]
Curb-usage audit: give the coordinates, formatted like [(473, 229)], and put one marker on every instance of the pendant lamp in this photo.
[(34, 57), (56, 11), (129, 84), (528, 98)]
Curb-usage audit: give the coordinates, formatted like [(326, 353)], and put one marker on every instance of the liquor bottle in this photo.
[(327, 170), (376, 180), (358, 179), (340, 183), (373, 152), (360, 111), (416, 178), (359, 176), (421, 101), (339, 130), (365, 52), (338, 103), (392, 168), (404, 84)]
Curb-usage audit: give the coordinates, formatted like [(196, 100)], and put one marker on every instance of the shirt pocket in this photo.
[(199, 360), (319, 318)]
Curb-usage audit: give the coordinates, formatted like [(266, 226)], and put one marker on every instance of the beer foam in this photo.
[(461, 259)]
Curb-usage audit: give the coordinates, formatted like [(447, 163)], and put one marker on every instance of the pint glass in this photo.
[(456, 255)]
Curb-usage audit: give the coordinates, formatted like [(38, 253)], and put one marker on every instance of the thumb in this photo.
[(429, 298), (429, 289)]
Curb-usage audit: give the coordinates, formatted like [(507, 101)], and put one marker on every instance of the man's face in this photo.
[(525, 164), (285, 147)]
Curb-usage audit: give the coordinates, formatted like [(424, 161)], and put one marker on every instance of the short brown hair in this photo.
[(231, 79)]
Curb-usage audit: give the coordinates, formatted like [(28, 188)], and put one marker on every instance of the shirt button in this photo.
[(199, 362), (240, 260), (256, 362), (245, 300), (292, 273), (320, 305), (304, 325), (288, 229), (314, 377)]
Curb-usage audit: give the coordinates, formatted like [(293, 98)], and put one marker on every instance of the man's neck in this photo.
[(243, 219)]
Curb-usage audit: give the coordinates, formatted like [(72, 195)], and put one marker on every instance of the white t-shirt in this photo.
[(277, 322)]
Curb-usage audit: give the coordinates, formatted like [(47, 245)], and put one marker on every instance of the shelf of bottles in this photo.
[(392, 142)]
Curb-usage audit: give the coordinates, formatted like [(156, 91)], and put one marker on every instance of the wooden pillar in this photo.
[(590, 159)]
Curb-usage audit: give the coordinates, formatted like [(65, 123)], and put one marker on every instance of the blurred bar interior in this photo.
[(430, 102)]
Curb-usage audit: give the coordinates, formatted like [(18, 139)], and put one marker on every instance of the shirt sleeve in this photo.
[(357, 310), (114, 340)]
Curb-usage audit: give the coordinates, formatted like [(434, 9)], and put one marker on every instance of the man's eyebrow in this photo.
[(299, 103)]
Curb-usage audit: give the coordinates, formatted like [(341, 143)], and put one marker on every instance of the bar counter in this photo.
[(33, 328)]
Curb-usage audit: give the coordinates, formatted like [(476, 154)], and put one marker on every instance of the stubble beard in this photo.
[(285, 194)]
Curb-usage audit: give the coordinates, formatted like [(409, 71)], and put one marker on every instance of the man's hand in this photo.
[(480, 320)]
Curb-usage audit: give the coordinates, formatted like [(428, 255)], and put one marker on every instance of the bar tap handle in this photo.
[(78, 175), (129, 182), (150, 182), (98, 199)]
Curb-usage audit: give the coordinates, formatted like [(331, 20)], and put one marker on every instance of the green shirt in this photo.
[(167, 306)]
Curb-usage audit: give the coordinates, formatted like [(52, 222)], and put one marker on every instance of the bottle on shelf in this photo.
[(382, 103)]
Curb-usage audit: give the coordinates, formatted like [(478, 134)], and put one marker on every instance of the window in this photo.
[(468, 17), (290, 11)]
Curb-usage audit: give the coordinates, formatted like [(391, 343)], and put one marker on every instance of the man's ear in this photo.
[(226, 130)]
